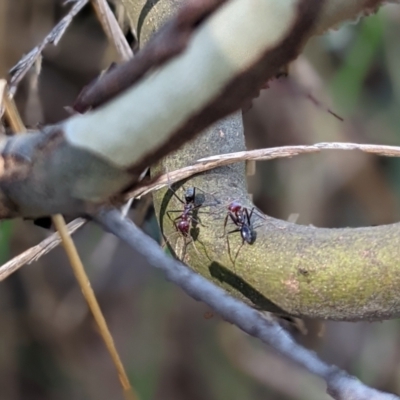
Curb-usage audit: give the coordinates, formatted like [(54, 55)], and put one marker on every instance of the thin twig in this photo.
[(205, 164), (36, 252), (340, 385), (12, 115), (112, 29), (290, 151), (3, 85), (90, 297), (25, 63)]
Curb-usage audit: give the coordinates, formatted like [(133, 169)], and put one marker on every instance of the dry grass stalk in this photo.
[(208, 163), (3, 86), (35, 252), (90, 297), (112, 29), (25, 63)]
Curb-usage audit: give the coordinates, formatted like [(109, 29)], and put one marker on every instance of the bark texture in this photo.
[(343, 274)]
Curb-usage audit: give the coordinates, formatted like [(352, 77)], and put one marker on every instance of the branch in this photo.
[(296, 270), (232, 51), (340, 385), (333, 14), (101, 164)]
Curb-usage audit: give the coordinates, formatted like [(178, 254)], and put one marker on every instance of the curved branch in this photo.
[(344, 274), (340, 385), (339, 274)]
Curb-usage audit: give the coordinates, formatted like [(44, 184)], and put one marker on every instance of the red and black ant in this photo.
[(188, 216), (184, 221), (241, 217)]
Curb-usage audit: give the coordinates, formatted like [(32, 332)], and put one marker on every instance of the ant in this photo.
[(184, 221), (241, 217), (188, 216)]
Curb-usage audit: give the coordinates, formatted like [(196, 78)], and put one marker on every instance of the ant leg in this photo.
[(229, 252), (229, 246), (195, 211), (234, 220), (197, 221), (251, 212), (173, 191), (168, 238), (173, 220), (237, 253), (214, 203), (186, 243), (225, 222), (200, 211), (173, 211), (182, 251), (248, 216), (210, 193), (194, 245), (175, 226)]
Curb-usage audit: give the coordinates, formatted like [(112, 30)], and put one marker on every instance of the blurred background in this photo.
[(173, 347)]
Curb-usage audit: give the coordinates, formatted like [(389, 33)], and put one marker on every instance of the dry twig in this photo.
[(25, 63), (90, 297), (3, 85), (36, 252), (112, 29), (208, 163)]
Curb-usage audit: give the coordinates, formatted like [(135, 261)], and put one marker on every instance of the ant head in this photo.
[(190, 194), (234, 207), (184, 226)]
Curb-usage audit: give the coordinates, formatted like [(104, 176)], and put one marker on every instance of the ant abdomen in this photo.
[(183, 227), (247, 234)]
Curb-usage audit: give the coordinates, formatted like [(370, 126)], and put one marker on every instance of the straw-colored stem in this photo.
[(112, 29), (12, 115), (90, 297)]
